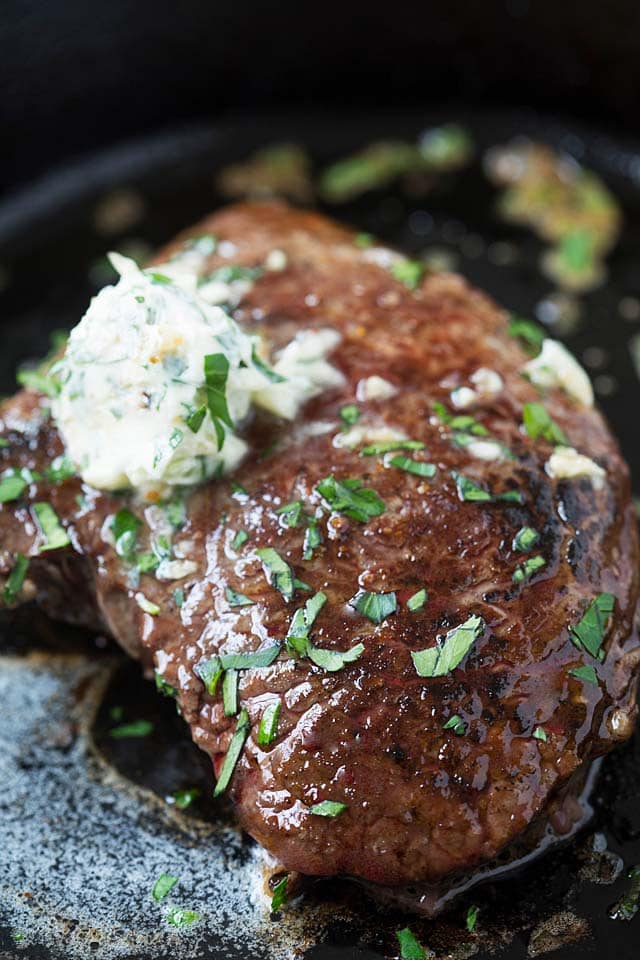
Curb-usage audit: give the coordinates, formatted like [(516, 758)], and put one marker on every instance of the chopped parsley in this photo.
[(298, 642), (525, 539), (240, 539), (333, 660), (388, 446), (312, 539), (184, 798), (589, 633), (627, 907), (410, 948), (247, 661), (349, 414), (586, 673), (195, 418), (12, 485), (15, 580), (230, 692), (178, 597), (279, 894), (469, 489), (529, 333), (125, 526), (528, 568), (538, 423), (363, 240), (418, 468), (163, 885), (54, 534), (216, 371), (408, 272), (350, 498), (417, 601), (446, 656), (128, 731), (163, 687), (328, 808), (462, 422), (278, 572), (39, 381), (540, 734), (210, 672), (268, 729), (291, 513), (472, 917), (374, 606), (178, 917), (59, 470), (455, 723), (303, 620), (264, 368), (237, 599), (233, 753)]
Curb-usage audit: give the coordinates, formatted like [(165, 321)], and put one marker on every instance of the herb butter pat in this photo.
[(556, 367), (157, 382), (566, 463)]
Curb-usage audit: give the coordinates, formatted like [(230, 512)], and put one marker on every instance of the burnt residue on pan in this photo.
[(89, 820)]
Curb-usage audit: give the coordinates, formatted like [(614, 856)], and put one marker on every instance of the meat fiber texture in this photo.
[(422, 802)]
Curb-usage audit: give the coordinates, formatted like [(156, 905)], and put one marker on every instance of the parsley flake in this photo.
[(470, 490), (240, 539), (589, 633), (128, 731), (163, 687), (455, 723), (472, 917), (538, 423), (462, 422), (446, 656), (349, 414), (408, 272), (125, 526), (233, 753), (388, 446), (291, 513), (419, 468), (586, 673), (12, 485), (163, 885), (528, 568), (279, 894), (350, 498), (237, 599), (54, 534), (410, 948), (216, 371), (278, 572), (230, 692), (178, 917), (540, 734), (374, 606), (525, 539), (268, 729), (184, 798), (529, 333), (417, 601), (15, 580), (328, 808)]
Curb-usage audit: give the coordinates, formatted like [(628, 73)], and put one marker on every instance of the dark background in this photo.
[(78, 74)]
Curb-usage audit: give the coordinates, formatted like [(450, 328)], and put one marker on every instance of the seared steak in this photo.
[(442, 760)]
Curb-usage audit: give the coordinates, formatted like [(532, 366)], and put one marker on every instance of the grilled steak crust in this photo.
[(423, 802)]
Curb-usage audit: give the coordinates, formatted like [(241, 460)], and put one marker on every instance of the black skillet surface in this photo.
[(84, 826)]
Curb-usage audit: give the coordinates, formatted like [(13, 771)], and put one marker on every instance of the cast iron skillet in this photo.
[(85, 828)]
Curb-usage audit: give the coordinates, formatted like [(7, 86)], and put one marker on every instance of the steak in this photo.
[(432, 764)]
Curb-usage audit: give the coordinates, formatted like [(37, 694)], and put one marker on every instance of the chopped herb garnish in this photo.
[(163, 885), (333, 660), (37, 380), (461, 421), (146, 605), (247, 661), (627, 907), (210, 672), (237, 488), (178, 597), (178, 917), (540, 734), (195, 418), (469, 489), (15, 580), (304, 617), (54, 534), (291, 513), (232, 272), (328, 808), (363, 240), (418, 468), (4, 443), (446, 656), (374, 606), (455, 723), (265, 369), (237, 599), (417, 601), (216, 371), (240, 539), (268, 729), (12, 485), (124, 527), (350, 498), (528, 568), (59, 470), (277, 571), (538, 423), (176, 512), (184, 798), (279, 894), (388, 446), (529, 333), (230, 692), (312, 539), (160, 278), (233, 753), (408, 272), (349, 414), (163, 687), (472, 917), (525, 539), (410, 949), (586, 673), (589, 633), (127, 731)]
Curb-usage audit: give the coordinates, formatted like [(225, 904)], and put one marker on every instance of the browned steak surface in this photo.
[(422, 801)]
